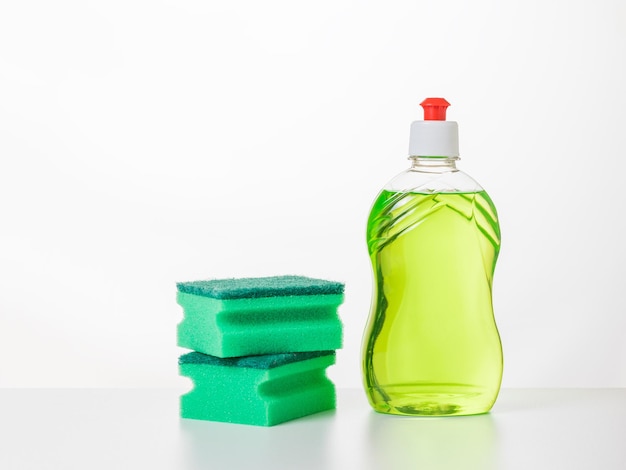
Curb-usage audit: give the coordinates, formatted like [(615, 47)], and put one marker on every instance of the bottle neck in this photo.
[(433, 164)]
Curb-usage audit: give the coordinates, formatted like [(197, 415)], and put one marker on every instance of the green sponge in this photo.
[(254, 316), (259, 390)]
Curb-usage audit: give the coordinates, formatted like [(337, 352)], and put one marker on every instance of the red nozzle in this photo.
[(434, 109)]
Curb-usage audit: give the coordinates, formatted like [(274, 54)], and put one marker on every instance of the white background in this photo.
[(144, 143)]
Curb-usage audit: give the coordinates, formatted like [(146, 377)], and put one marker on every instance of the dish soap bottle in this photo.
[(431, 346)]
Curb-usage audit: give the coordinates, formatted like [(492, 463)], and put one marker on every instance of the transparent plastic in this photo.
[(431, 346)]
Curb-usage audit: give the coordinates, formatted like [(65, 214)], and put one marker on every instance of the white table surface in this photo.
[(140, 429)]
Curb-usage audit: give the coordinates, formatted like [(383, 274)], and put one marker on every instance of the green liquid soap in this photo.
[(431, 346)]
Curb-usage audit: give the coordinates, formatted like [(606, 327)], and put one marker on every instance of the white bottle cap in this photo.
[(434, 136)]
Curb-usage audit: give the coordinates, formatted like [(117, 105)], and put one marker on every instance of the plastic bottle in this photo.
[(431, 346)]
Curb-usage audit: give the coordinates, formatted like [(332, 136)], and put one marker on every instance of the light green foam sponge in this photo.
[(259, 390), (253, 316)]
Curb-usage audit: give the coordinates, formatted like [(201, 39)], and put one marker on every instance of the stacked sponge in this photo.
[(261, 347)]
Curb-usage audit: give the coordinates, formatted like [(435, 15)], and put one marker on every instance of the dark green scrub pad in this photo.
[(259, 390), (253, 287), (253, 316)]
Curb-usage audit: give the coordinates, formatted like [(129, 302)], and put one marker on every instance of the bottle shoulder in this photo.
[(416, 181)]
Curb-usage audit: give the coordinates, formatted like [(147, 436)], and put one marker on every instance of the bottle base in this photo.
[(431, 399)]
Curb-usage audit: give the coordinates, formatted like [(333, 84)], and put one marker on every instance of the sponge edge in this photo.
[(275, 389), (274, 286)]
